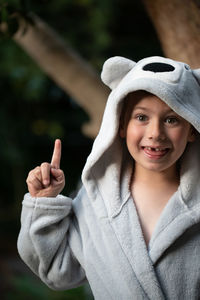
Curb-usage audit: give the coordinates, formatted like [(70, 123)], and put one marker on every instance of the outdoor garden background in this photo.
[(34, 111)]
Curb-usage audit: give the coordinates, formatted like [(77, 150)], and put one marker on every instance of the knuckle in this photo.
[(37, 170), (33, 174), (29, 176), (44, 164), (34, 171)]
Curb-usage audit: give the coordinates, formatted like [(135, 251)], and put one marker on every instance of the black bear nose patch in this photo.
[(158, 67)]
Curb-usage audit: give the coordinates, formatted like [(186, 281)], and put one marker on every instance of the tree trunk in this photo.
[(66, 68), (177, 23)]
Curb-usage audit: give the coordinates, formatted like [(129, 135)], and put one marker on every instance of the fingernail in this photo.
[(46, 182)]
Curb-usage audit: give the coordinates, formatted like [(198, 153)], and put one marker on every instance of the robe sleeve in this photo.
[(44, 241)]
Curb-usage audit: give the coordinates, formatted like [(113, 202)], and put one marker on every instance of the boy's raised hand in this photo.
[(48, 179)]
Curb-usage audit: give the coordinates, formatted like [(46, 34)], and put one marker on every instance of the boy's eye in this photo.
[(171, 120), (141, 118)]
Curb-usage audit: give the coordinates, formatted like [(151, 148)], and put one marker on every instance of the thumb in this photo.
[(57, 174)]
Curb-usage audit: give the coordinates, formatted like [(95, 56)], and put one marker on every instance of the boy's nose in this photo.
[(156, 131)]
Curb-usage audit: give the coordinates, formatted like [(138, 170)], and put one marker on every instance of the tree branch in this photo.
[(177, 23), (66, 68)]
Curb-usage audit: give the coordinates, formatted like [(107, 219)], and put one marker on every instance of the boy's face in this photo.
[(156, 136)]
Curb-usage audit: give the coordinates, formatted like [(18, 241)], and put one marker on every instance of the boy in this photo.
[(133, 229)]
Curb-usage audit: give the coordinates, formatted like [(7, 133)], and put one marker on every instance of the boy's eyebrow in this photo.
[(141, 107), (144, 108)]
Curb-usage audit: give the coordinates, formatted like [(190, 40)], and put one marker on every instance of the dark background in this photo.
[(34, 111)]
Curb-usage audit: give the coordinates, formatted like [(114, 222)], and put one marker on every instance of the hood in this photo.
[(106, 174)]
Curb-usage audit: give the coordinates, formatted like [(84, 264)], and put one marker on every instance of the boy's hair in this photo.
[(128, 104)]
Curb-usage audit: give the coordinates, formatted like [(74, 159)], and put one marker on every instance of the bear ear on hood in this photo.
[(196, 73), (114, 70)]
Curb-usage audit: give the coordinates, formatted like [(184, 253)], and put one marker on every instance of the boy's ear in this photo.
[(122, 132), (122, 127), (114, 69), (192, 135)]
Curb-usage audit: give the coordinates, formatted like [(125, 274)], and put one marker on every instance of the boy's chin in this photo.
[(157, 167)]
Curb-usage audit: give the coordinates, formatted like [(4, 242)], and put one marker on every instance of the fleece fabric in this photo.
[(97, 236)]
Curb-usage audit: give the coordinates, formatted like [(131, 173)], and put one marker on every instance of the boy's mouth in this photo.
[(155, 152)]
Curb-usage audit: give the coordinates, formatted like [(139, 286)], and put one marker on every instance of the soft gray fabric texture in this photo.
[(97, 236)]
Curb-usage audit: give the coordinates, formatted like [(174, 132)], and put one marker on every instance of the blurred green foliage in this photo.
[(34, 111), (27, 288)]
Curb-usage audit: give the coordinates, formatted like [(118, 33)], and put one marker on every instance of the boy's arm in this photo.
[(47, 225), (44, 241)]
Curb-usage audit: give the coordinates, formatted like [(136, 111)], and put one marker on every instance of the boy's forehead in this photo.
[(143, 96), (138, 97), (147, 102)]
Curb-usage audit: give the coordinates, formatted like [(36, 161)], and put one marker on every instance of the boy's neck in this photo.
[(155, 178), (151, 192)]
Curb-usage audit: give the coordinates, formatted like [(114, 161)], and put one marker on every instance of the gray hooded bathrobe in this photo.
[(97, 237)]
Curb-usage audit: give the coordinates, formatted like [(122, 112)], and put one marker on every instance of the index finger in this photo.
[(55, 161)]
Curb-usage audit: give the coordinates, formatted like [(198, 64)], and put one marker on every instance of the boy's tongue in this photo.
[(155, 152)]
